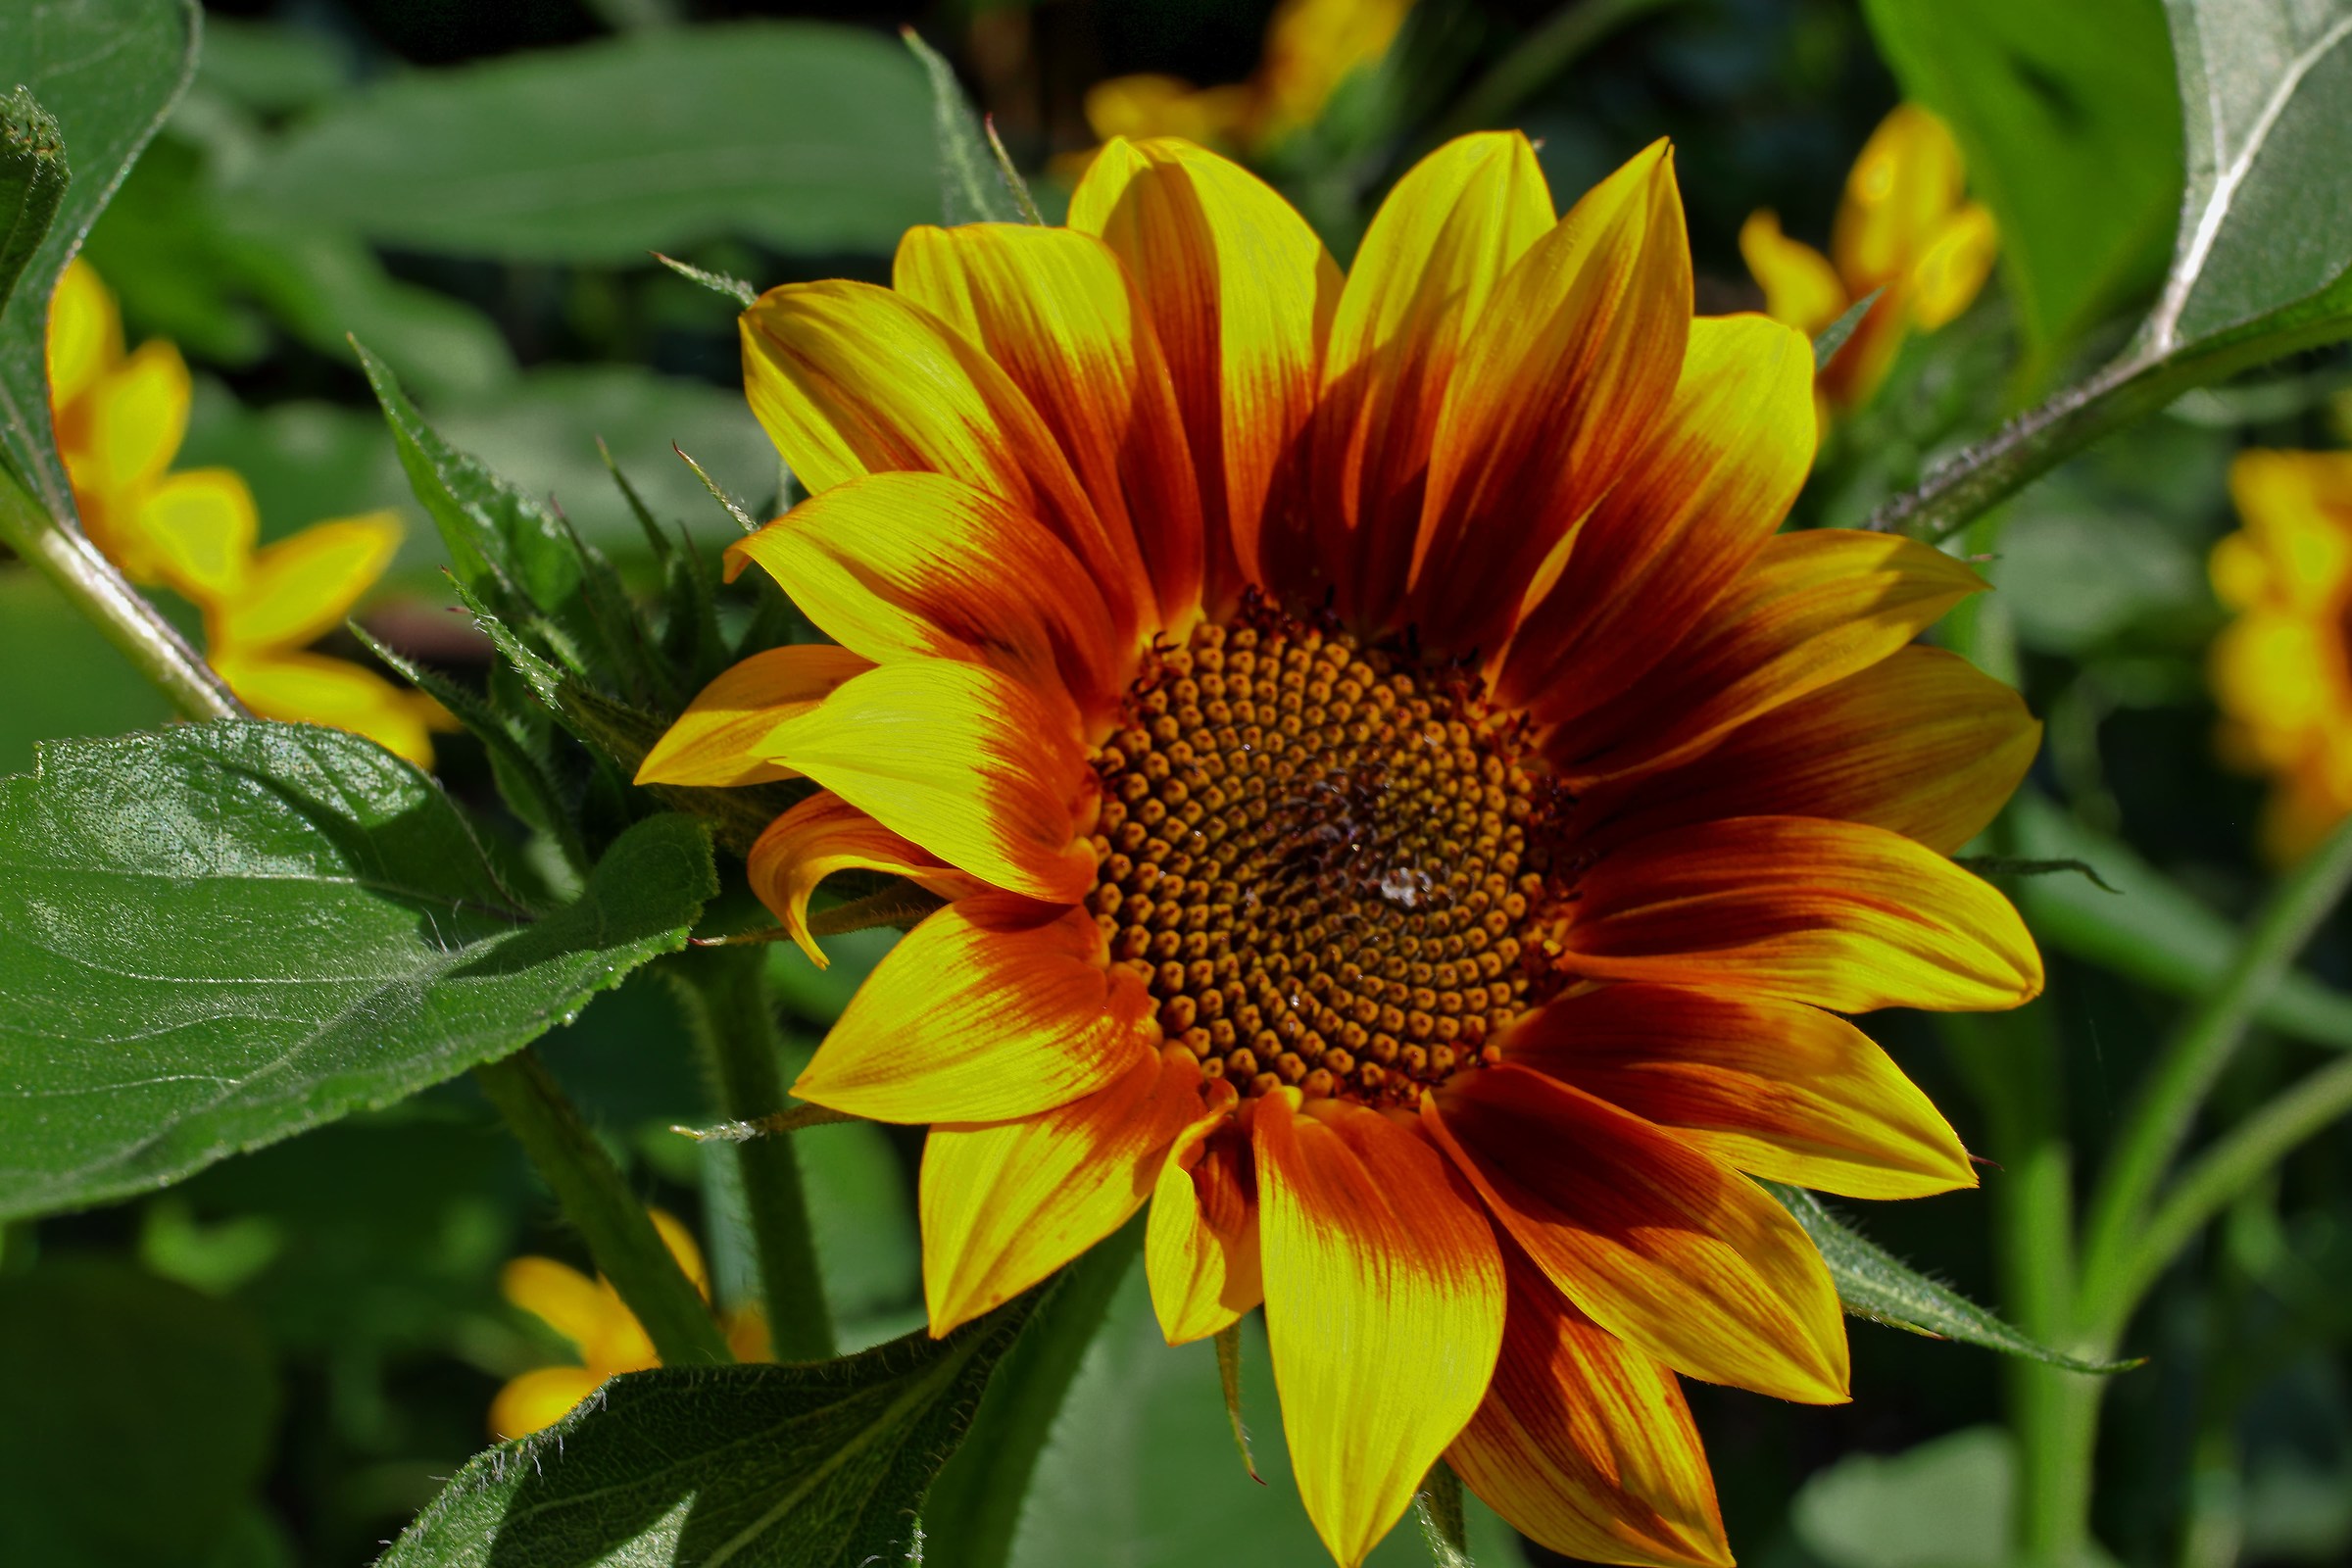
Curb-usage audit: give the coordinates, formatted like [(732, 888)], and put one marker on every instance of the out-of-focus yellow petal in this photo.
[(992, 1008), (1900, 192), (982, 770), (2240, 572), (1384, 1308), (136, 417), (1659, 1242), (1149, 104), (1200, 1248), (301, 688), (1239, 293), (1004, 1205), (304, 586), (2297, 508), (1773, 1088), (1312, 46), (540, 1399), (825, 834), (1946, 279), (896, 567), (559, 1295), (1563, 380), (2271, 670), (1801, 286), (681, 1244), (85, 332), (1583, 1443), (1441, 241), (1838, 915), (721, 737), (201, 526)]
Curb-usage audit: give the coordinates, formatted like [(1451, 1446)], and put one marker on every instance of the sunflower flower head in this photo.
[(1311, 48), (1905, 226), (1399, 808), (607, 1336), (2282, 669), (120, 421)]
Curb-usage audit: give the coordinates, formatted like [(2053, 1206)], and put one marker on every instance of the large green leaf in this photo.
[(1875, 1284), (805, 136), (109, 71), (135, 1417), (813, 1466), (217, 936), (2266, 235), (2067, 117)]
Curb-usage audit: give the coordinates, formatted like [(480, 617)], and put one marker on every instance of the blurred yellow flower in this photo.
[(610, 1340), (120, 421), (2282, 669), (1905, 226), (1312, 47)]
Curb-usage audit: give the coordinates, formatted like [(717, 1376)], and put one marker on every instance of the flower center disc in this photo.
[(1324, 860)]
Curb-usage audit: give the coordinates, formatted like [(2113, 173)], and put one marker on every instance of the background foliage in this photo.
[(297, 1346)]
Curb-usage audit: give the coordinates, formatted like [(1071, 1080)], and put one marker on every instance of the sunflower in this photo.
[(1905, 226), (1399, 809), (2282, 669)]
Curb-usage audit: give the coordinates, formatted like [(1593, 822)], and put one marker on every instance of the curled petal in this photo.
[(1006, 1205), (825, 834), (1583, 1443), (722, 736), (1384, 1308), (1776, 1089), (1657, 1240), (1838, 915), (1201, 1251), (992, 1008)]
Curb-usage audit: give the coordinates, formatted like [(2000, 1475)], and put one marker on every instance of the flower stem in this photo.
[(620, 1235), (725, 995), (90, 582), (2164, 1112)]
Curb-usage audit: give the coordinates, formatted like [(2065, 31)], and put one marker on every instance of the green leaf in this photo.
[(215, 936), (136, 1418), (1832, 336), (1873, 1283), (2266, 233), (1947, 1503), (2068, 121), (110, 71), (813, 1466), (804, 136), (59, 676), (32, 181), (2157, 932), (970, 188)]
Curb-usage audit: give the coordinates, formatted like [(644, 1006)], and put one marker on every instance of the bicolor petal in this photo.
[(1004, 1205), (825, 834), (1657, 1240), (1384, 1308), (1773, 1088), (721, 739), (1200, 1248), (992, 1008), (1840, 914)]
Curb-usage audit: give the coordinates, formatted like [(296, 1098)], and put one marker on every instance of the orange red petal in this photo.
[(1658, 1242), (1840, 914), (825, 834), (992, 1008), (1384, 1308), (1200, 1249), (723, 737)]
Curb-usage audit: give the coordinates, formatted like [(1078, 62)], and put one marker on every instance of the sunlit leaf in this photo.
[(215, 936)]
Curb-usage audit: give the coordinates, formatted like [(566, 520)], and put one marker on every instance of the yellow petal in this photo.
[(201, 526), (1773, 1088), (1384, 1308), (1004, 1205), (540, 1399), (721, 737), (303, 586), (1801, 286), (825, 834), (299, 688), (992, 1008), (1312, 46), (1239, 292), (985, 773), (1201, 1251), (1901, 189), (2297, 508), (136, 417), (1946, 279), (681, 1246), (85, 334), (557, 1295)]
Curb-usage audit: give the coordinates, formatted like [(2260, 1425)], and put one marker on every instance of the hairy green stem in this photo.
[(2176, 1087), (726, 993), (91, 584), (975, 1505), (620, 1235)]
